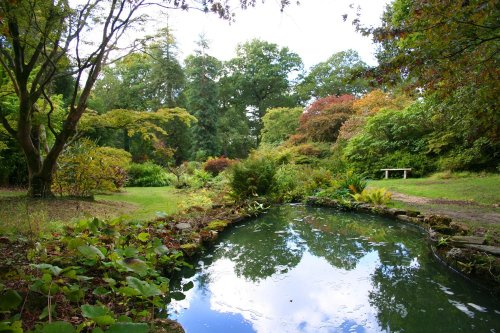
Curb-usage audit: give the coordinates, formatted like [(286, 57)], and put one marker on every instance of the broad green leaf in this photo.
[(94, 311), (73, 292), (110, 281), (54, 270), (128, 291), (124, 319), (90, 251), (45, 312), (135, 265), (70, 274), (10, 300), (128, 328), (143, 237), (84, 278), (58, 327), (145, 288), (74, 243), (128, 252), (15, 327), (104, 320), (178, 296), (188, 286), (161, 249), (99, 291)]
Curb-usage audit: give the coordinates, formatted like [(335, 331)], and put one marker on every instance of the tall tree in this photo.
[(232, 126), (124, 85), (339, 75), (167, 76), (202, 71), (38, 38), (262, 75)]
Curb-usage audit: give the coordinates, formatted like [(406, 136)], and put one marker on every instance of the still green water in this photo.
[(302, 269)]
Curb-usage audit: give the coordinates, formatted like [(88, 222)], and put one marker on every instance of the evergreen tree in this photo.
[(202, 95)]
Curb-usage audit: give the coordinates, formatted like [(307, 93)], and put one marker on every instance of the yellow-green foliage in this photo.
[(85, 169), (216, 225), (377, 196), (199, 199), (147, 124), (279, 124)]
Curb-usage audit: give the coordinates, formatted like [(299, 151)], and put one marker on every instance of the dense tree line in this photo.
[(430, 104)]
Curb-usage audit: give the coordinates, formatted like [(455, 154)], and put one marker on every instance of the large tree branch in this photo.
[(7, 126), (49, 120), (10, 75)]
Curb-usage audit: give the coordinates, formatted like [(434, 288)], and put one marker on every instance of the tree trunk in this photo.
[(40, 186), (126, 140)]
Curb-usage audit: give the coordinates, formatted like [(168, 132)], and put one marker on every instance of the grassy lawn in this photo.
[(148, 200), (478, 188), (19, 214), (472, 199)]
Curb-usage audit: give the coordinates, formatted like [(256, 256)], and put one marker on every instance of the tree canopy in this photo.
[(260, 76), (340, 74)]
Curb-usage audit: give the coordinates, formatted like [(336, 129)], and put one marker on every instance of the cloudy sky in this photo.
[(314, 29)]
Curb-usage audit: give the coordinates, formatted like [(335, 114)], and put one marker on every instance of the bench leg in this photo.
[(386, 174), (404, 174)]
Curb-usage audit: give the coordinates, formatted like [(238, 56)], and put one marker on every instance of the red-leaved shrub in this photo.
[(217, 165), (322, 120)]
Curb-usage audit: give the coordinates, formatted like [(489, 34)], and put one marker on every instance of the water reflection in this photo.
[(301, 269)]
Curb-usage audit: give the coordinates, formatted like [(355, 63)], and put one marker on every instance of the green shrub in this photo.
[(392, 139), (334, 192), (293, 182), (286, 186), (253, 177), (352, 182), (377, 196), (148, 174), (85, 169), (475, 157), (199, 179), (192, 166)]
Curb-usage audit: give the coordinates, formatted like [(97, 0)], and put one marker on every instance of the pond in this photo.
[(304, 269)]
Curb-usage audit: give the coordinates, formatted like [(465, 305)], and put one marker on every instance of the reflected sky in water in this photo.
[(301, 269)]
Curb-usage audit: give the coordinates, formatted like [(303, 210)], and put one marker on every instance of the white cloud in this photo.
[(296, 301)]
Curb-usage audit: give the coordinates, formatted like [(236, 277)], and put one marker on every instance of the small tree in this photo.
[(85, 169)]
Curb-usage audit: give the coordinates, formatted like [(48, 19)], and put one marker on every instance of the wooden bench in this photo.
[(405, 170)]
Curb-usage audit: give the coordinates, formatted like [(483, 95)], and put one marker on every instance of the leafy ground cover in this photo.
[(470, 198), (96, 275)]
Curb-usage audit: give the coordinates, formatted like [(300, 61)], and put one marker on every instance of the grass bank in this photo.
[(470, 198), (20, 214), (148, 200), (482, 189)]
